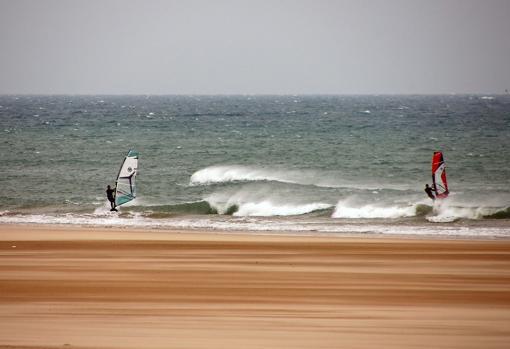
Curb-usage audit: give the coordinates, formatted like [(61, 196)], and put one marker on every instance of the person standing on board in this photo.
[(429, 192), (110, 194)]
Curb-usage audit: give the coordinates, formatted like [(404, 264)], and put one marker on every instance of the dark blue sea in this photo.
[(298, 164)]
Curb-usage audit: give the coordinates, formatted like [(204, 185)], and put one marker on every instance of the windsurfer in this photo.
[(429, 192), (110, 194)]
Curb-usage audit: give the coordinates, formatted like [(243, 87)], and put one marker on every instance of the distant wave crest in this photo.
[(232, 173), (243, 173)]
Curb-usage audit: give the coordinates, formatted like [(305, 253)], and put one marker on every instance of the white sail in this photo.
[(125, 190)]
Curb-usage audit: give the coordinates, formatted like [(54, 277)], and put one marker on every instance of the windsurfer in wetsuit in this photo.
[(110, 194), (430, 192)]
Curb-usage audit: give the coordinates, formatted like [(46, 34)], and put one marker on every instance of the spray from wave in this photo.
[(450, 210), (268, 208), (348, 209), (221, 174), (324, 179), (264, 201)]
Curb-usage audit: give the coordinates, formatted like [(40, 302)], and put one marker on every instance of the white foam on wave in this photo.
[(238, 173), (102, 210), (104, 207), (442, 219), (249, 224), (345, 209), (268, 208), (449, 210), (231, 173), (106, 219), (255, 201)]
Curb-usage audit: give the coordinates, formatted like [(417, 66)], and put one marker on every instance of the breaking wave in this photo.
[(257, 199), (242, 173), (499, 214), (239, 205), (344, 209), (268, 208), (286, 217), (231, 207), (447, 212), (442, 212), (188, 208), (238, 173)]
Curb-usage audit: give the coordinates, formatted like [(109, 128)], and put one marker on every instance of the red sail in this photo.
[(439, 183)]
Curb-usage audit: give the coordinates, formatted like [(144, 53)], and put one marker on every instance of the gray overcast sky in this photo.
[(258, 46)]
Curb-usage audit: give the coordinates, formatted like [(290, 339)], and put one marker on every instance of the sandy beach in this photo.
[(89, 287)]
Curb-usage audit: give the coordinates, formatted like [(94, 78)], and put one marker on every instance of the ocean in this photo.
[(289, 164)]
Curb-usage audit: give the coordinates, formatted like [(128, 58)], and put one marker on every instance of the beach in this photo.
[(65, 286)]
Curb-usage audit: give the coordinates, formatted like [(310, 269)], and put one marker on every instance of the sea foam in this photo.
[(450, 210), (344, 209), (268, 208), (265, 225), (253, 200), (231, 173), (311, 177)]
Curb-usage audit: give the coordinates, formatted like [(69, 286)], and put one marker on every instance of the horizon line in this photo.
[(505, 93)]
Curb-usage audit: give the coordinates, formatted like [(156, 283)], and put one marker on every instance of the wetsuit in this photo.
[(429, 192), (110, 195)]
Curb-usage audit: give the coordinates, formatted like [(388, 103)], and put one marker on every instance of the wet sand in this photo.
[(72, 287)]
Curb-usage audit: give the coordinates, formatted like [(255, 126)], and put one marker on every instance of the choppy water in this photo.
[(288, 163)]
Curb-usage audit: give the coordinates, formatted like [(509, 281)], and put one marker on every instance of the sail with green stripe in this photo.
[(125, 190)]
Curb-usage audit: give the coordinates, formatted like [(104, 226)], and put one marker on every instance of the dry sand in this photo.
[(69, 287)]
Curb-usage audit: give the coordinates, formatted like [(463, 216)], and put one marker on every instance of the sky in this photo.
[(254, 47)]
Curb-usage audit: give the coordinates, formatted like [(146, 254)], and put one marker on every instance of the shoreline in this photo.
[(441, 236), (97, 287)]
